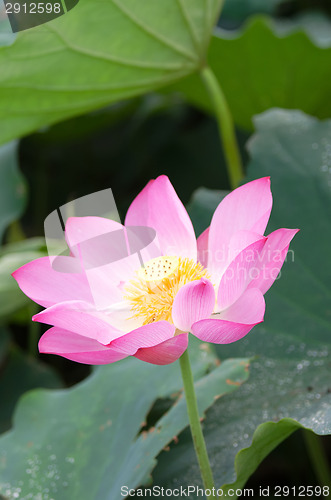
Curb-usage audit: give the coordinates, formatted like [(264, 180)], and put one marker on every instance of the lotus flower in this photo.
[(212, 287)]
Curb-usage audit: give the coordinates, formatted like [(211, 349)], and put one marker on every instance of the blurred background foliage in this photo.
[(266, 54)]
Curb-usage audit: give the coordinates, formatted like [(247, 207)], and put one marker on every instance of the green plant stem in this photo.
[(225, 125), (317, 457), (193, 415)]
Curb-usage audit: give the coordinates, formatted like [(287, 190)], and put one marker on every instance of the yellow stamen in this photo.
[(152, 294)]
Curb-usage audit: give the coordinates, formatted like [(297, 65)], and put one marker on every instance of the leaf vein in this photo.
[(117, 60), (187, 20), (164, 40)]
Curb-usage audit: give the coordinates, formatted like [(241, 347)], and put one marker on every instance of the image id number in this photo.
[(33, 8)]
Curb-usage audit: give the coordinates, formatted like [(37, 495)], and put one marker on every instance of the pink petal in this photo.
[(272, 258), (246, 208), (99, 241), (166, 352), (155, 343), (193, 302), (241, 240), (235, 322), (41, 283), (85, 350), (121, 318), (80, 229), (108, 258), (239, 274), (149, 335), (81, 318), (238, 242), (159, 207), (77, 348), (106, 282), (248, 309), (202, 243)]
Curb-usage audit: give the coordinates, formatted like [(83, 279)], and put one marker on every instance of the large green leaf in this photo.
[(291, 377), (260, 67), (266, 437), (85, 442), (20, 373), (12, 187), (98, 54)]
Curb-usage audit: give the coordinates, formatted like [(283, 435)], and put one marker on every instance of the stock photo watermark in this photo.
[(25, 14), (198, 492)]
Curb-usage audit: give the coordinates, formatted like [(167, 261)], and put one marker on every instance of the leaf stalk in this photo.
[(225, 126), (195, 424)]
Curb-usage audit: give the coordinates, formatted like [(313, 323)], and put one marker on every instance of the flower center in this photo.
[(159, 268), (152, 293)]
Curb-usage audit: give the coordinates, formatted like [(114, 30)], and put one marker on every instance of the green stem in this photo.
[(317, 457), (193, 415), (225, 125)]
